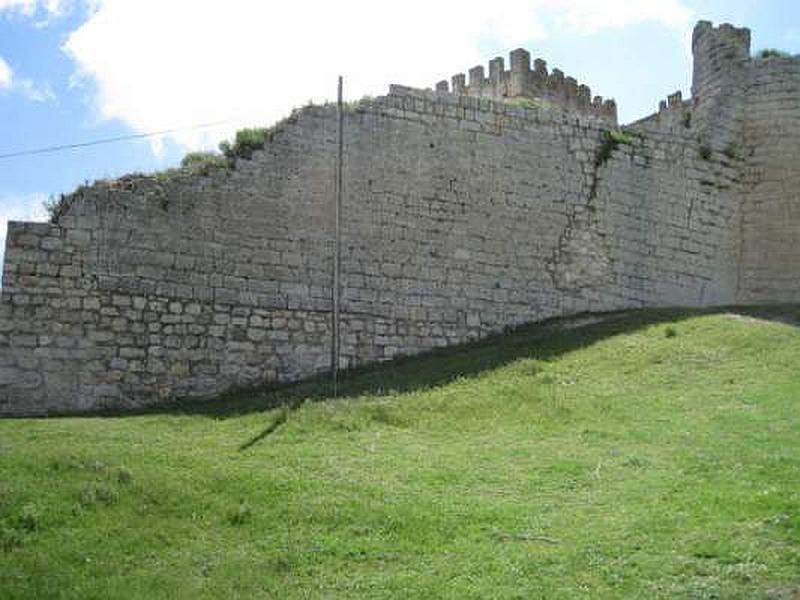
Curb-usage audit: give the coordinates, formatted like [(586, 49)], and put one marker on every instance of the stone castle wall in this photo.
[(461, 216), (769, 262)]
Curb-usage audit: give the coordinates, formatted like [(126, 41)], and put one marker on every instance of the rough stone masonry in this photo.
[(499, 201)]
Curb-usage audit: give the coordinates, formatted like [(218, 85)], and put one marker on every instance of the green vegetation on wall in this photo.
[(773, 53), (245, 142), (611, 140), (203, 162)]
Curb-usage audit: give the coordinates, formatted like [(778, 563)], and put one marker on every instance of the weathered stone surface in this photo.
[(462, 215)]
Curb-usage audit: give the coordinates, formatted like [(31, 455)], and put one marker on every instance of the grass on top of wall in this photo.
[(773, 53), (651, 455)]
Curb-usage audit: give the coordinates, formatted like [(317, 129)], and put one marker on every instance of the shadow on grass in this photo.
[(279, 420), (543, 341)]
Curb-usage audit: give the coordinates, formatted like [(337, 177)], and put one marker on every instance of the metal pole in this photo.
[(337, 261)]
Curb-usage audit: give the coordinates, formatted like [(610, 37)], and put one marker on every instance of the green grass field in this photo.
[(652, 455)]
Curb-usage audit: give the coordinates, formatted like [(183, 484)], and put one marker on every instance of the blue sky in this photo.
[(78, 70)]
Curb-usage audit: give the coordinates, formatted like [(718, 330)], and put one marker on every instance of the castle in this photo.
[(478, 205)]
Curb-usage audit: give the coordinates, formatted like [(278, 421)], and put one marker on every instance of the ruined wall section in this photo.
[(461, 216), (770, 223), (41, 313), (174, 285)]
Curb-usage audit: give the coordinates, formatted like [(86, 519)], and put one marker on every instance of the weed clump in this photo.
[(530, 103), (245, 143), (731, 151), (30, 517), (204, 162), (705, 151), (612, 139), (10, 538), (357, 105), (124, 475), (56, 206), (240, 515), (621, 137), (773, 53), (98, 494)]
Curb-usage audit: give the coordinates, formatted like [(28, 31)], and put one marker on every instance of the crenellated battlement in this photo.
[(523, 80), (673, 104)]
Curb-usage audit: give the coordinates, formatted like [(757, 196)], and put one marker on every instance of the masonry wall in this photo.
[(462, 216), (770, 227), (670, 218), (452, 216), (744, 116), (180, 285)]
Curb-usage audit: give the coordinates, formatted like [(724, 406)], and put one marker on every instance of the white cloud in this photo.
[(25, 6), (25, 87), (5, 74), (590, 16), (30, 7), (33, 91), (19, 208), (157, 65)]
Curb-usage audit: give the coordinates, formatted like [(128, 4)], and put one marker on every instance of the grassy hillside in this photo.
[(653, 455)]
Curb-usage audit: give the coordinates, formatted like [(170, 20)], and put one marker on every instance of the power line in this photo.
[(122, 138)]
